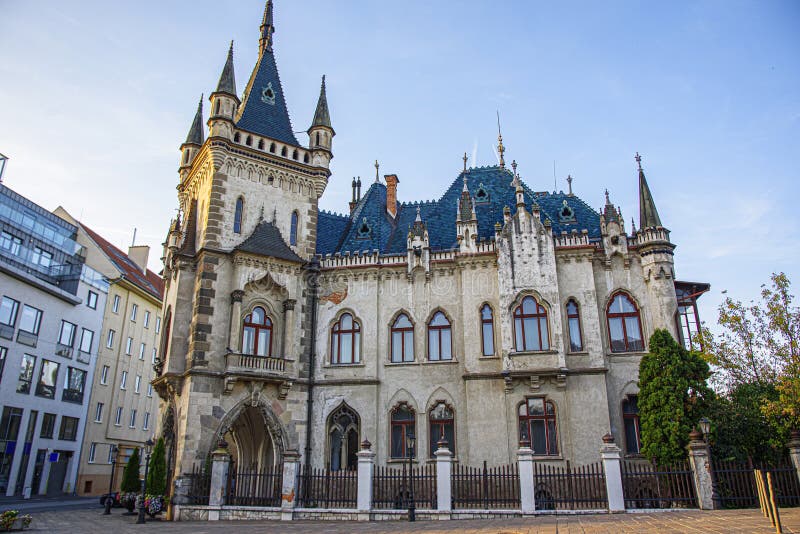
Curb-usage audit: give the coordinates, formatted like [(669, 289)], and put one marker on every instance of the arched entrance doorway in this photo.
[(251, 441)]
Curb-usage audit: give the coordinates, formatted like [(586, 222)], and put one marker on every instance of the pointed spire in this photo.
[(267, 29), (648, 215), (322, 116), (465, 165), (569, 183), (500, 148), (227, 80), (377, 168), (196, 131)]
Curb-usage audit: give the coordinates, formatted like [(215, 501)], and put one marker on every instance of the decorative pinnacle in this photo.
[(267, 29), (377, 168), (569, 183), (500, 148), (638, 159), (607, 199), (514, 166), (419, 217), (465, 162)]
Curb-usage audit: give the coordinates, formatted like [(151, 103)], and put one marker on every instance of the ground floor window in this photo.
[(537, 424)]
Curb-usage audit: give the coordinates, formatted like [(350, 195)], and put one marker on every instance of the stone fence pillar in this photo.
[(526, 482), (220, 461), (794, 450), (444, 466), (700, 460), (610, 454), (291, 467), (366, 465)]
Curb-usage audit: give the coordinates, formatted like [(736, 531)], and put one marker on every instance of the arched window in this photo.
[(537, 424), (346, 340), (402, 339), (283, 152), (257, 333), (530, 326), (630, 417), (236, 137), (317, 143), (343, 426), (440, 338), (574, 324), (249, 141), (164, 351), (237, 216), (216, 108), (487, 330), (624, 325), (261, 144), (442, 423), (295, 154), (403, 424), (305, 158), (272, 147), (293, 230)]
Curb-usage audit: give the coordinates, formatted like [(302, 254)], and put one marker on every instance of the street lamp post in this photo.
[(110, 498), (410, 442), (148, 447)]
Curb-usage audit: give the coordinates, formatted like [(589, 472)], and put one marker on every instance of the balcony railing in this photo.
[(251, 362)]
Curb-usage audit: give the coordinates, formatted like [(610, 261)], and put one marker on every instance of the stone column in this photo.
[(236, 319), (526, 482), (366, 465), (180, 496), (220, 461), (288, 329), (291, 468), (794, 450), (610, 454), (700, 460), (444, 466)]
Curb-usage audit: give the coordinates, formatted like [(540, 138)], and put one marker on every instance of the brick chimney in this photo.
[(138, 255), (391, 194)]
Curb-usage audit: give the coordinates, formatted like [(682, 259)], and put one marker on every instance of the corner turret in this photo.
[(224, 102), (194, 140), (320, 134)]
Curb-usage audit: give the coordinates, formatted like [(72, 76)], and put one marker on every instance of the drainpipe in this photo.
[(313, 287)]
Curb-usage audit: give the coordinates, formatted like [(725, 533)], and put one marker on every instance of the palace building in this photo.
[(493, 314)]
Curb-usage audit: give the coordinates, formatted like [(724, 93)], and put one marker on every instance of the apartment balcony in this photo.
[(258, 369)]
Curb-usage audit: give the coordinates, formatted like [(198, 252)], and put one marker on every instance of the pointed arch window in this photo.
[(487, 330), (402, 339), (624, 325), (257, 333), (293, 230), (236, 137), (403, 422), (574, 325), (530, 326), (537, 424), (630, 417), (237, 216), (440, 338), (317, 143), (346, 340), (442, 424), (343, 429)]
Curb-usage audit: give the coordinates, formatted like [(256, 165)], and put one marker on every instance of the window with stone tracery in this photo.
[(343, 430), (257, 333), (442, 425), (403, 424)]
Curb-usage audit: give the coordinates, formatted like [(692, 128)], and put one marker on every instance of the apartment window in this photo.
[(155, 353), (111, 451), (149, 390), (104, 375), (132, 423), (537, 423), (146, 318), (118, 417), (129, 346), (26, 374), (48, 426), (48, 376), (98, 413), (41, 257), (3, 354), (624, 325), (92, 451), (574, 324), (115, 305), (402, 339), (110, 339), (30, 319), (68, 430), (487, 330), (10, 243), (74, 385), (134, 309), (530, 326), (146, 421), (124, 380), (630, 416), (137, 383), (141, 351), (91, 300), (8, 311), (87, 336), (67, 335), (158, 325), (403, 423), (440, 346)]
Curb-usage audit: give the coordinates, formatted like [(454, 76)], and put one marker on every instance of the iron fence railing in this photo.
[(393, 489), (570, 488), (322, 488), (254, 487), (199, 486), (647, 485), (485, 487)]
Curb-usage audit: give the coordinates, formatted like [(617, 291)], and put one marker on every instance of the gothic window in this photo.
[(164, 352), (403, 424), (237, 216), (249, 141), (402, 339), (261, 144), (236, 137), (257, 333), (346, 340), (530, 326), (574, 325), (440, 338), (442, 424), (624, 325), (537, 424), (305, 158), (630, 417), (343, 426), (293, 230), (272, 147), (487, 330), (216, 108), (295, 154), (284, 152), (317, 143)]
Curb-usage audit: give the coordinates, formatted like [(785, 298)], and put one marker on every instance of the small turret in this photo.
[(194, 140), (648, 215), (224, 102), (466, 220), (320, 134)]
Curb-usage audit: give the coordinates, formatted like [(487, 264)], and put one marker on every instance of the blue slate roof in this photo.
[(370, 227), (263, 110)]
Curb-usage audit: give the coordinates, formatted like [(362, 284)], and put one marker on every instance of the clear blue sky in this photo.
[(97, 96)]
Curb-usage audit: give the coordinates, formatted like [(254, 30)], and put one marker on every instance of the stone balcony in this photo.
[(264, 369)]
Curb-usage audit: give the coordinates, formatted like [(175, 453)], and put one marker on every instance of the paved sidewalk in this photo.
[(727, 521), (43, 503)]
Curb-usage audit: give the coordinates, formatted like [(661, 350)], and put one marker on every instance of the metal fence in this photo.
[(321, 488), (254, 487), (785, 483), (393, 489), (484, 487), (199, 486), (570, 488), (647, 485)]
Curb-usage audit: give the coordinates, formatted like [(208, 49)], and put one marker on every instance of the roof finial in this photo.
[(607, 199), (377, 169), (419, 217), (322, 117), (569, 183), (267, 29), (638, 159), (465, 162), (514, 165), (500, 148)]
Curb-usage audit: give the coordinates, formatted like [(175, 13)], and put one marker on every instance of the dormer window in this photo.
[(481, 195), (364, 231), (566, 213)]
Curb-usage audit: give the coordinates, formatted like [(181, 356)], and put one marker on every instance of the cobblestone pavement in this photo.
[(733, 521)]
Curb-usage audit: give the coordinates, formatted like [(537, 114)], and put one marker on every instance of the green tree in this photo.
[(673, 395), (157, 471), (130, 476)]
